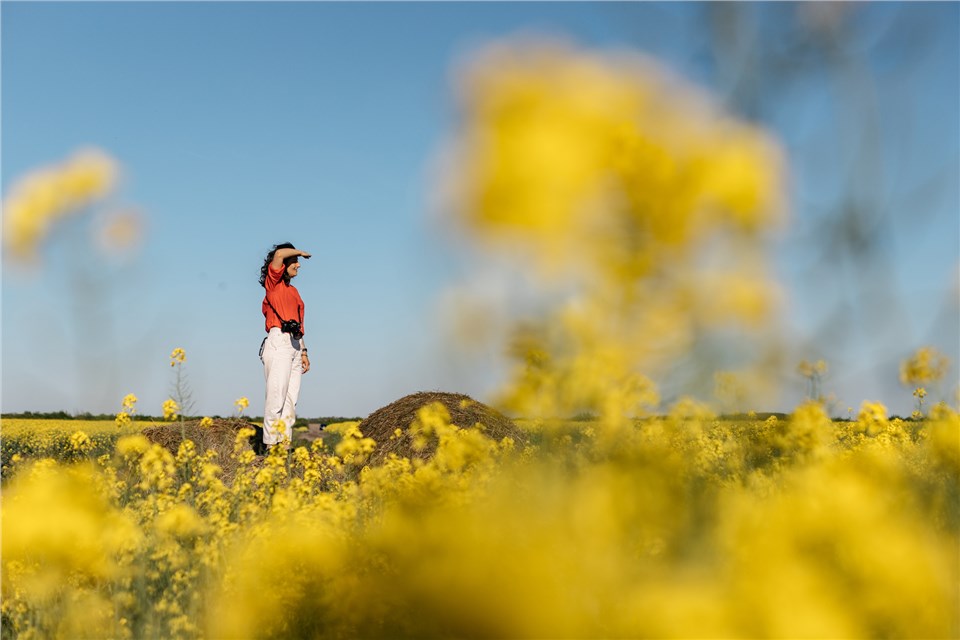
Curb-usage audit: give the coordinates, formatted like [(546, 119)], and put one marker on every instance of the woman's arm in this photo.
[(282, 254)]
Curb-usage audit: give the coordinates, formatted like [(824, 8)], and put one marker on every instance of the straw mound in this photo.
[(219, 436), (464, 412)]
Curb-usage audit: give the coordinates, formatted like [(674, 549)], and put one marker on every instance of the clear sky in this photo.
[(241, 125)]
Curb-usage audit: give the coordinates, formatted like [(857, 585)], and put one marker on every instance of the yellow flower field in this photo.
[(60, 439), (18, 427), (673, 527)]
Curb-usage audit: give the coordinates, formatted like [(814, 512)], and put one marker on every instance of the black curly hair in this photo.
[(269, 259)]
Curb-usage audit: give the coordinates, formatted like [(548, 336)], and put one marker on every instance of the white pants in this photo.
[(282, 368)]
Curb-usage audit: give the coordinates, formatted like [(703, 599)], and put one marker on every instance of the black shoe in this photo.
[(256, 441)]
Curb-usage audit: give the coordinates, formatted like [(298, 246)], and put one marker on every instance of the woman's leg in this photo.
[(278, 365), (289, 412)]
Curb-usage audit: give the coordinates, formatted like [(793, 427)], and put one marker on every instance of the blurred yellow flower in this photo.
[(157, 469), (39, 200), (170, 409), (134, 445), (57, 516), (129, 403), (810, 369), (872, 417), (206, 422), (123, 419), (181, 521), (556, 140), (640, 205), (177, 356), (80, 442), (241, 404), (353, 448), (926, 365)]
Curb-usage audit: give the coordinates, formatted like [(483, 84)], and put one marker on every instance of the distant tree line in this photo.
[(63, 415)]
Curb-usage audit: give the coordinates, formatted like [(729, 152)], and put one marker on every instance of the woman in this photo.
[(283, 352)]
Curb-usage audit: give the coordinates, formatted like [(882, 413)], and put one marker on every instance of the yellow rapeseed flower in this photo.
[(129, 403), (134, 445), (872, 417), (638, 202), (177, 356), (170, 409), (157, 469), (181, 521), (241, 404), (38, 201), (57, 516), (80, 442), (123, 420), (353, 448), (926, 365)]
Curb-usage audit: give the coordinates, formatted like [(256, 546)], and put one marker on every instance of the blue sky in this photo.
[(240, 125)]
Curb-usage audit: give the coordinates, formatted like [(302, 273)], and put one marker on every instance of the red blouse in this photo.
[(284, 297)]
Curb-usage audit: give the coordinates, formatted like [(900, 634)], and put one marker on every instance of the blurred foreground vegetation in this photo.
[(677, 526)]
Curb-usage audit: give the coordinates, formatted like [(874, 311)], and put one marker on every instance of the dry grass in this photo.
[(464, 412)]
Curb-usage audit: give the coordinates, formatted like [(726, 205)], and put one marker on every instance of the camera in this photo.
[(292, 327)]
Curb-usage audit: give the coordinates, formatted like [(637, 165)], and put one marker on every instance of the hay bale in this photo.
[(464, 412), (220, 436)]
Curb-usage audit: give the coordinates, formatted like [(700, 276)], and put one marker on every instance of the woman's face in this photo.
[(293, 268)]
